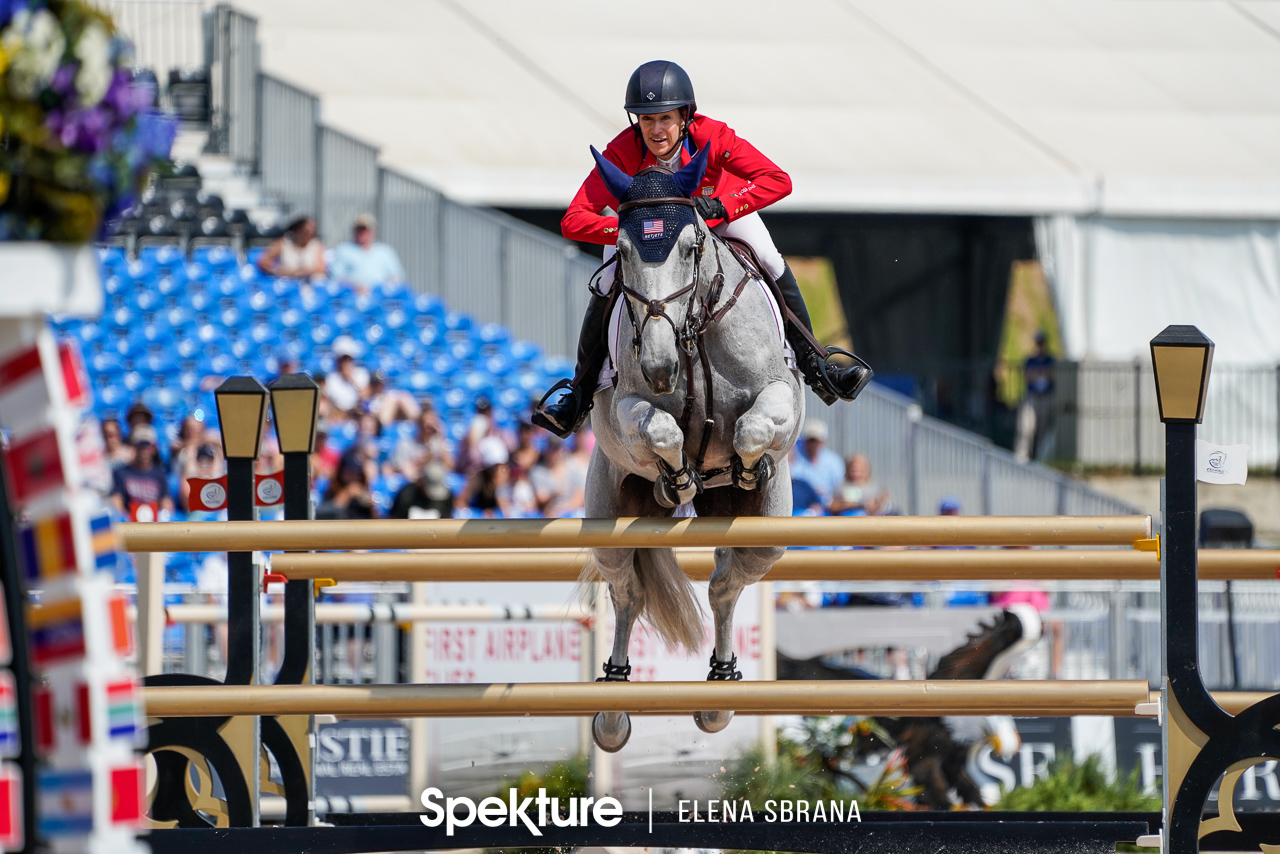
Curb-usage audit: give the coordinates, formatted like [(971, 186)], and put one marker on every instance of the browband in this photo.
[(661, 200)]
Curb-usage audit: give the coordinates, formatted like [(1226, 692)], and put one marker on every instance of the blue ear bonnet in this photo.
[(653, 228)]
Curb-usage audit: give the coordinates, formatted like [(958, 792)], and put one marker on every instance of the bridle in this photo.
[(699, 315)]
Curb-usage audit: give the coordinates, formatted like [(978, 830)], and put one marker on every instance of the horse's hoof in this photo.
[(665, 495), (756, 477), (712, 721), (611, 730)]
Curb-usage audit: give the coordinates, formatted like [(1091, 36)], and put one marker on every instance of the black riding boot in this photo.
[(829, 381), (566, 415)]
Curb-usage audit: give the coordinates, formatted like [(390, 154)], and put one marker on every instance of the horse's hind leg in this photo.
[(611, 730), (735, 569)]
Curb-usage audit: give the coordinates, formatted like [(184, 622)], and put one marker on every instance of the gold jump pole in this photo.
[(634, 533), (950, 697), (860, 565)]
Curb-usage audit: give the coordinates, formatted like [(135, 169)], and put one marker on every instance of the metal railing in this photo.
[(921, 460), (166, 34), (1108, 414), (348, 182), (232, 43), (288, 134)]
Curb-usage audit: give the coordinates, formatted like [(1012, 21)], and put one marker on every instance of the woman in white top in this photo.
[(299, 254)]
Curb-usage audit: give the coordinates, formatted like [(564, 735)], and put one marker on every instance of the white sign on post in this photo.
[(1221, 463)]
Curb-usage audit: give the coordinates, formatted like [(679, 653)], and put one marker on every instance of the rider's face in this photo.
[(661, 132)]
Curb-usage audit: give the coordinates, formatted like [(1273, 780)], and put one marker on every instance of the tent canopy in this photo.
[(1161, 108)]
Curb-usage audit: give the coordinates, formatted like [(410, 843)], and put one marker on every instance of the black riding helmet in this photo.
[(658, 86)]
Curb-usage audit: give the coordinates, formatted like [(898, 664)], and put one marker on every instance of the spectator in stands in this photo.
[(488, 489), (481, 427), (362, 261), (325, 458), (560, 488), (1035, 414), (365, 447), (299, 254), (190, 436), (389, 405), (142, 482), (858, 494), (117, 452), (804, 501), (205, 464), (346, 386), (816, 464), (139, 413), (429, 445), (526, 453), (426, 496), (347, 496)]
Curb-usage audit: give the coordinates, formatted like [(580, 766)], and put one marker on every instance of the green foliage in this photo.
[(817, 763), (563, 780), (1083, 787)]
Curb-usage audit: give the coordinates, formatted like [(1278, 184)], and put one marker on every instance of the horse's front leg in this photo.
[(769, 425), (659, 437)]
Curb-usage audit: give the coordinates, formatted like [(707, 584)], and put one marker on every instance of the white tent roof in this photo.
[(1156, 108)]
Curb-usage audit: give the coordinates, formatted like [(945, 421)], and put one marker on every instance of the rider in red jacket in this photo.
[(738, 183)]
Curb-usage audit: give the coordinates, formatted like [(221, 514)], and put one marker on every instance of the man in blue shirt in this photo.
[(815, 463), (364, 262)]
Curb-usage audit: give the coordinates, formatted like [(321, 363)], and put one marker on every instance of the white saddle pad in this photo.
[(609, 375)]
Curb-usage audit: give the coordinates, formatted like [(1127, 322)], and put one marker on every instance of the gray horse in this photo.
[(705, 409)]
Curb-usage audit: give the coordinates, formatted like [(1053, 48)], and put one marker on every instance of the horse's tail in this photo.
[(670, 605)]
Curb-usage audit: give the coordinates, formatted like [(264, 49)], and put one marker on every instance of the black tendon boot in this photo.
[(828, 380), (566, 415)]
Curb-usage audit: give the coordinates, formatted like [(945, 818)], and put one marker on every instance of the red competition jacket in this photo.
[(742, 178)]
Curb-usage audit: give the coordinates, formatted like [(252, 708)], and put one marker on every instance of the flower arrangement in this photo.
[(78, 135)]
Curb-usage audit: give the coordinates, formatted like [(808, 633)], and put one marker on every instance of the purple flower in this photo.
[(64, 79)]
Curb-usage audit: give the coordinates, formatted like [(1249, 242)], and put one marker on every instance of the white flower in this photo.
[(34, 44), (94, 52)]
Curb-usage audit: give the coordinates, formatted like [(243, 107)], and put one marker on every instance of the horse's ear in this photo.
[(615, 180), (690, 175)]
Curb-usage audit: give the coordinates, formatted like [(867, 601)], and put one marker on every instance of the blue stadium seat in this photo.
[(453, 320), (188, 347), (134, 382), (242, 348), (463, 349), (513, 399), (429, 304), (188, 382), (323, 334), (478, 382), (222, 365), (161, 257), (112, 258), (115, 284), (264, 333), (498, 366), (292, 318), (421, 382), (393, 366), (404, 430), (201, 301), (178, 316), (430, 336), (456, 399), (103, 363), (139, 269), (231, 317), (218, 258), (493, 333), (374, 333), (196, 271), (228, 286), (110, 398), (557, 366), (444, 366), (87, 334), (297, 349)]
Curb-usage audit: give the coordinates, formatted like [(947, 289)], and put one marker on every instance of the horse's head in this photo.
[(659, 246)]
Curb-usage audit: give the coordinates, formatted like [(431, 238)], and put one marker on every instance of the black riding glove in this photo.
[(710, 208)]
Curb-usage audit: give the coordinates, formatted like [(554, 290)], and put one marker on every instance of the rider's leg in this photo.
[(566, 415), (832, 383)]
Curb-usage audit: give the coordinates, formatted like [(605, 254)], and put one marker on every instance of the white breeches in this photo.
[(750, 228)]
